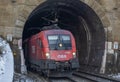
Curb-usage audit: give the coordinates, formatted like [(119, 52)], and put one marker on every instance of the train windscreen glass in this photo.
[(59, 42)]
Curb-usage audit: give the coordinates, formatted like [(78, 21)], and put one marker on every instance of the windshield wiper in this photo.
[(56, 44)]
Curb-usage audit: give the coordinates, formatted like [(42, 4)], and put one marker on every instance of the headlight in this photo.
[(74, 54), (47, 55)]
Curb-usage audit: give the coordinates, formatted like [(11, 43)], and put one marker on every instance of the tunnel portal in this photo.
[(81, 20)]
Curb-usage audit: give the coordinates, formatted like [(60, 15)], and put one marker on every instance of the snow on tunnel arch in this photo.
[(6, 62)]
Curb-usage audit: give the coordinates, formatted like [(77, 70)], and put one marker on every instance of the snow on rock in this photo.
[(30, 77), (6, 62), (117, 76)]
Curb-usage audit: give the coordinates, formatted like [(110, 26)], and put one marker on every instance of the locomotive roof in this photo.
[(51, 31), (56, 31)]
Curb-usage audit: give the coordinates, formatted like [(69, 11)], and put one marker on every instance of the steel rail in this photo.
[(95, 77), (62, 78)]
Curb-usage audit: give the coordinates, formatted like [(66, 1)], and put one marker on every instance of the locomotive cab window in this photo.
[(59, 42)]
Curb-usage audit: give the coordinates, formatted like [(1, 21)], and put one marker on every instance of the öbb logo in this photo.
[(61, 56)]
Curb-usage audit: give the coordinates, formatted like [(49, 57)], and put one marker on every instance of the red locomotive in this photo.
[(51, 50)]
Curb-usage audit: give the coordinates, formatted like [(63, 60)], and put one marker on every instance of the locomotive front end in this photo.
[(62, 51)]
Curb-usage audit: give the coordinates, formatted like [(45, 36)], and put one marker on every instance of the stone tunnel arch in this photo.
[(82, 21)]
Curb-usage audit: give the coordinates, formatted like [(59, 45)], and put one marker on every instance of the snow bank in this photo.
[(6, 62)]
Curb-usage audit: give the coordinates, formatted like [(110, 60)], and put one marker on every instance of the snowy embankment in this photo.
[(6, 62)]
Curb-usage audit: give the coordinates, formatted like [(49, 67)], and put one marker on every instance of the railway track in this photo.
[(61, 79), (84, 77), (94, 77), (75, 77), (69, 78)]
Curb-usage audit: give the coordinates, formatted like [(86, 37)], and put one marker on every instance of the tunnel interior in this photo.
[(81, 20)]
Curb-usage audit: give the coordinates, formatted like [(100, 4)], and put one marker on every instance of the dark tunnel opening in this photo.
[(81, 20)]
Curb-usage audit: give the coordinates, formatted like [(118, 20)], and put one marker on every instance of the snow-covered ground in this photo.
[(6, 62), (30, 77), (117, 76), (22, 78)]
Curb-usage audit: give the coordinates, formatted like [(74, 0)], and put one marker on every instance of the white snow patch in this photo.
[(116, 76), (6, 62)]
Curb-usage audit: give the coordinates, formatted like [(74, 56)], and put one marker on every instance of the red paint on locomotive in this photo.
[(51, 49), (40, 46)]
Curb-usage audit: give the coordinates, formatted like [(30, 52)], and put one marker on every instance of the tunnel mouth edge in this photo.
[(95, 27)]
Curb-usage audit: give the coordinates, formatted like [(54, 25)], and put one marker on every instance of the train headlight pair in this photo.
[(48, 55), (74, 54)]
